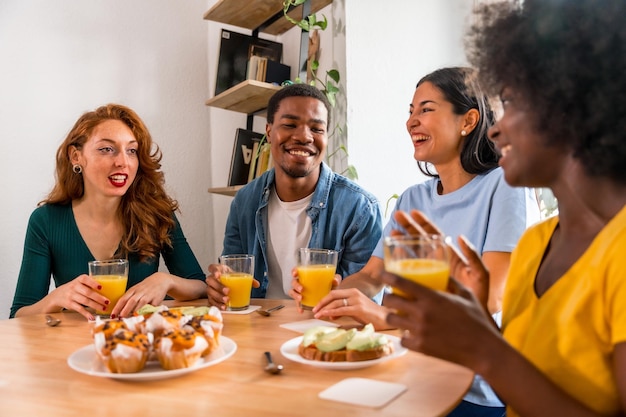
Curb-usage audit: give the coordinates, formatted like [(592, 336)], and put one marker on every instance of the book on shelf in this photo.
[(244, 154), (255, 158), (236, 49), (263, 159), (260, 71), (263, 69), (256, 66)]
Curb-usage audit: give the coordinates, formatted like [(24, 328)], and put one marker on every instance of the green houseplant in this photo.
[(329, 85)]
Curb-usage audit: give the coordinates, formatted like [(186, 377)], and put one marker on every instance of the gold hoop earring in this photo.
[(77, 169)]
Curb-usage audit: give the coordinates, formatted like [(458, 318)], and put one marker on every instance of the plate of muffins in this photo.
[(156, 343)]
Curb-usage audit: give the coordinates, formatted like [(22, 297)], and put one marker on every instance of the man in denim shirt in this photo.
[(298, 203)]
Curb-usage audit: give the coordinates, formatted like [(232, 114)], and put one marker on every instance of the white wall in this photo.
[(64, 57), (389, 47)]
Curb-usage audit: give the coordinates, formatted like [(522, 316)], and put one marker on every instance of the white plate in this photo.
[(86, 361), (289, 349)]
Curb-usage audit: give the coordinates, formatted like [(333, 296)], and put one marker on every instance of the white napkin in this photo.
[(302, 325), (248, 310), (363, 391)]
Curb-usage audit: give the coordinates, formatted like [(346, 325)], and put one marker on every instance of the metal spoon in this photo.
[(267, 312), (51, 321), (271, 367)]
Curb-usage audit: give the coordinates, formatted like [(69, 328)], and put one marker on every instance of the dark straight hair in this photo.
[(460, 87)]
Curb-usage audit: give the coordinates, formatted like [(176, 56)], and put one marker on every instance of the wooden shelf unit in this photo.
[(254, 14), (251, 96)]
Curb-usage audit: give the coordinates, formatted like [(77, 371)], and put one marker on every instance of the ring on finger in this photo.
[(345, 302)]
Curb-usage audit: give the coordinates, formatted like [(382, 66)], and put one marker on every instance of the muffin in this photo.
[(210, 325), (106, 327), (125, 351), (136, 324), (164, 320), (179, 348)]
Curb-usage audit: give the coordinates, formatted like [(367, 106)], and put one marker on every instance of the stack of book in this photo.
[(257, 68), (261, 68), (251, 157)]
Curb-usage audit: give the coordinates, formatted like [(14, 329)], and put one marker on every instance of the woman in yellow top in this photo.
[(559, 68)]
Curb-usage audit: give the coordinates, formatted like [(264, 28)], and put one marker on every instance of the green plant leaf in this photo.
[(331, 98), (322, 24), (343, 148), (304, 25), (334, 75), (351, 173), (395, 196), (331, 88)]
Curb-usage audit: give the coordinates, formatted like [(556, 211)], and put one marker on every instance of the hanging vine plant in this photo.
[(330, 84)]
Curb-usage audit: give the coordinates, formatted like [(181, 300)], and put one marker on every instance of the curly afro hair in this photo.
[(567, 59)]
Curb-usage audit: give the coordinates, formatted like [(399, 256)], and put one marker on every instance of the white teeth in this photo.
[(505, 149), (299, 153), (118, 177), (419, 138)]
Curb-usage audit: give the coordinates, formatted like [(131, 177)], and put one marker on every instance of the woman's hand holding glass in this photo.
[(465, 266), (78, 295), (442, 324)]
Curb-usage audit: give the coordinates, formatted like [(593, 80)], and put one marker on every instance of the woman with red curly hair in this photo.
[(109, 201)]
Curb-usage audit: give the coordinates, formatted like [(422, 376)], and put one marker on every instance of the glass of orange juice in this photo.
[(112, 275), (316, 270), (422, 259), (238, 278)]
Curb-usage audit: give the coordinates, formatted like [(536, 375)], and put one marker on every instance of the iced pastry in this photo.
[(123, 351), (210, 325), (179, 348)]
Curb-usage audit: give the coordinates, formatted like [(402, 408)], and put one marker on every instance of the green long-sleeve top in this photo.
[(55, 248)]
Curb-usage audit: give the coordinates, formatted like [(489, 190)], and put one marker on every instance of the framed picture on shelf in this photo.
[(244, 149)]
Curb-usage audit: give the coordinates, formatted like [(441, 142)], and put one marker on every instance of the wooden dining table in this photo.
[(36, 380)]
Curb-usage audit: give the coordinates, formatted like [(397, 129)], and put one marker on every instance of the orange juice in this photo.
[(432, 273), (113, 287), (317, 281), (240, 285)]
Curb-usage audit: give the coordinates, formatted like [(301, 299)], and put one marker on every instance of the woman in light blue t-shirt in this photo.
[(466, 194)]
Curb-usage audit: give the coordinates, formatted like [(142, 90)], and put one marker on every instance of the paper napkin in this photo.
[(363, 391), (248, 310), (302, 325)]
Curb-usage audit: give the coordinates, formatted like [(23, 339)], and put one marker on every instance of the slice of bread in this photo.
[(337, 345), (344, 355)]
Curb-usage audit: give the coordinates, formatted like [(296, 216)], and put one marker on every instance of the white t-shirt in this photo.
[(289, 228)]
